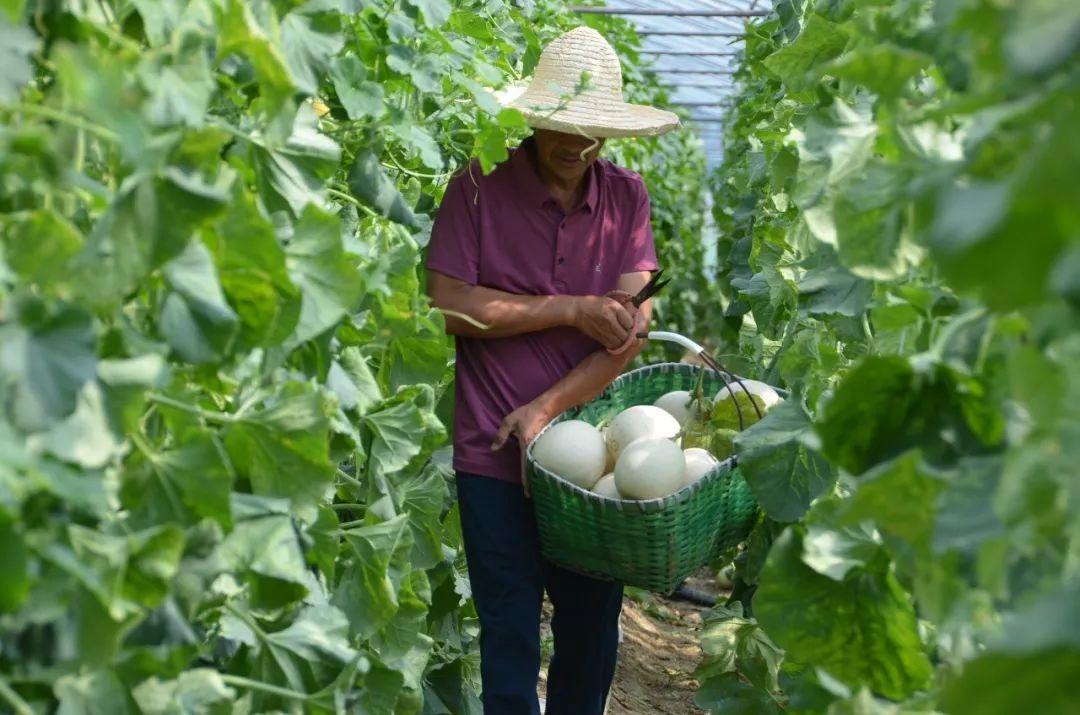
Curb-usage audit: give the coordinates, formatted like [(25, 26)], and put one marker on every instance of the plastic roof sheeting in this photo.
[(696, 67)]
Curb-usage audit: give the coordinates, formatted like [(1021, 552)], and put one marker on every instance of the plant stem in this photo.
[(352, 200), (249, 684), (72, 120), (347, 507), (208, 415), (350, 479), (20, 706)]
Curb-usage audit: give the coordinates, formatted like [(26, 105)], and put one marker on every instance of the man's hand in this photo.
[(640, 321), (524, 423), (603, 319)]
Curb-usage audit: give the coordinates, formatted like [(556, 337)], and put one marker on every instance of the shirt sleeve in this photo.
[(640, 253), (454, 249)]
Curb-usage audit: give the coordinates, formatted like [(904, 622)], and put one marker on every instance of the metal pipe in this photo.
[(652, 33), (686, 71), (677, 53), (668, 13)]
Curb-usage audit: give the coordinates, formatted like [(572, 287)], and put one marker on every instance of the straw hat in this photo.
[(599, 111)]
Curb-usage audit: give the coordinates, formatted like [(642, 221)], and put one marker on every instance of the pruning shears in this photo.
[(651, 288)]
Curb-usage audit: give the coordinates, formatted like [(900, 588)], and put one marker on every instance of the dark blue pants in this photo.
[(508, 578)]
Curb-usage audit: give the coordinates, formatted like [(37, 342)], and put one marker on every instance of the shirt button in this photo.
[(561, 260)]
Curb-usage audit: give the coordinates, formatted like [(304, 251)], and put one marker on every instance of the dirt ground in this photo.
[(659, 653)]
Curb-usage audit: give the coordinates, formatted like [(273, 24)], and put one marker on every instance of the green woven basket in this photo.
[(653, 544)]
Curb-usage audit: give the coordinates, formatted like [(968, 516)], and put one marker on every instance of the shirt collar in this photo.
[(533, 189)]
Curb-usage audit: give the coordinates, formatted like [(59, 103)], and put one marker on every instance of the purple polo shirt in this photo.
[(505, 231)]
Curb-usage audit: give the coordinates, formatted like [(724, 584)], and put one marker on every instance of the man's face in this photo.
[(559, 154)]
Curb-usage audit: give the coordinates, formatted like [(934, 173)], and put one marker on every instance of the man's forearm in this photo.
[(502, 313), (587, 380)]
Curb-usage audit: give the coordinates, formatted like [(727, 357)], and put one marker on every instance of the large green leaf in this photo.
[(779, 458), (861, 628), (310, 36), (197, 320), (282, 448), (402, 427), (38, 246), (819, 41), (326, 276), (292, 175), (252, 270), (50, 358)]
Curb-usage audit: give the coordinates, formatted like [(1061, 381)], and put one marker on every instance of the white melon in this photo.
[(698, 463), (650, 468), (574, 450), (606, 487), (638, 422)]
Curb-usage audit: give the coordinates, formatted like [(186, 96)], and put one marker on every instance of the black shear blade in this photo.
[(651, 288)]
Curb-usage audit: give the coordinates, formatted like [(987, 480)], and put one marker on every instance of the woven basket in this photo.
[(653, 544)]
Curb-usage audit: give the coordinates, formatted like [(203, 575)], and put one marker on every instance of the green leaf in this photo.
[(740, 666), (98, 692), (368, 591), (402, 427), (861, 629), (819, 41), (266, 550), (834, 146), (177, 484), (435, 12), (423, 69), (148, 223), (240, 34), (310, 653), (18, 44), (85, 437), (360, 96), (352, 381), (327, 278), (834, 291), (38, 246), (900, 497), (884, 68), (51, 358), (252, 270), (197, 320), (282, 448), (199, 690), (14, 568), (419, 140), (932, 408), (369, 183), (1003, 684), (309, 38), (778, 456), (1042, 35), (293, 175)]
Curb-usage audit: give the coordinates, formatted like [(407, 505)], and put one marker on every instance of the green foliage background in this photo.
[(223, 475), (900, 238)]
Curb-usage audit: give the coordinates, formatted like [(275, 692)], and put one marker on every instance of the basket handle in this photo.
[(726, 375)]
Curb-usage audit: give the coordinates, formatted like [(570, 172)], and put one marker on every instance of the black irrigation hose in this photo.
[(692, 595)]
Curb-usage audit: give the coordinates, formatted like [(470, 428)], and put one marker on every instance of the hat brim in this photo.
[(593, 117)]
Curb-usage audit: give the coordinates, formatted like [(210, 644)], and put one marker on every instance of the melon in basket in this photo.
[(574, 450), (677, 404), (726, 413), (698, 463), (606, 487), (650, 468), (638, 422)]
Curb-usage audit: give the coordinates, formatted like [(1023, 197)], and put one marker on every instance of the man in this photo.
[(542, 256)]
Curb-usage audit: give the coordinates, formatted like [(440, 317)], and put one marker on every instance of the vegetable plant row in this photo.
[(223, 396), (900, 219)]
